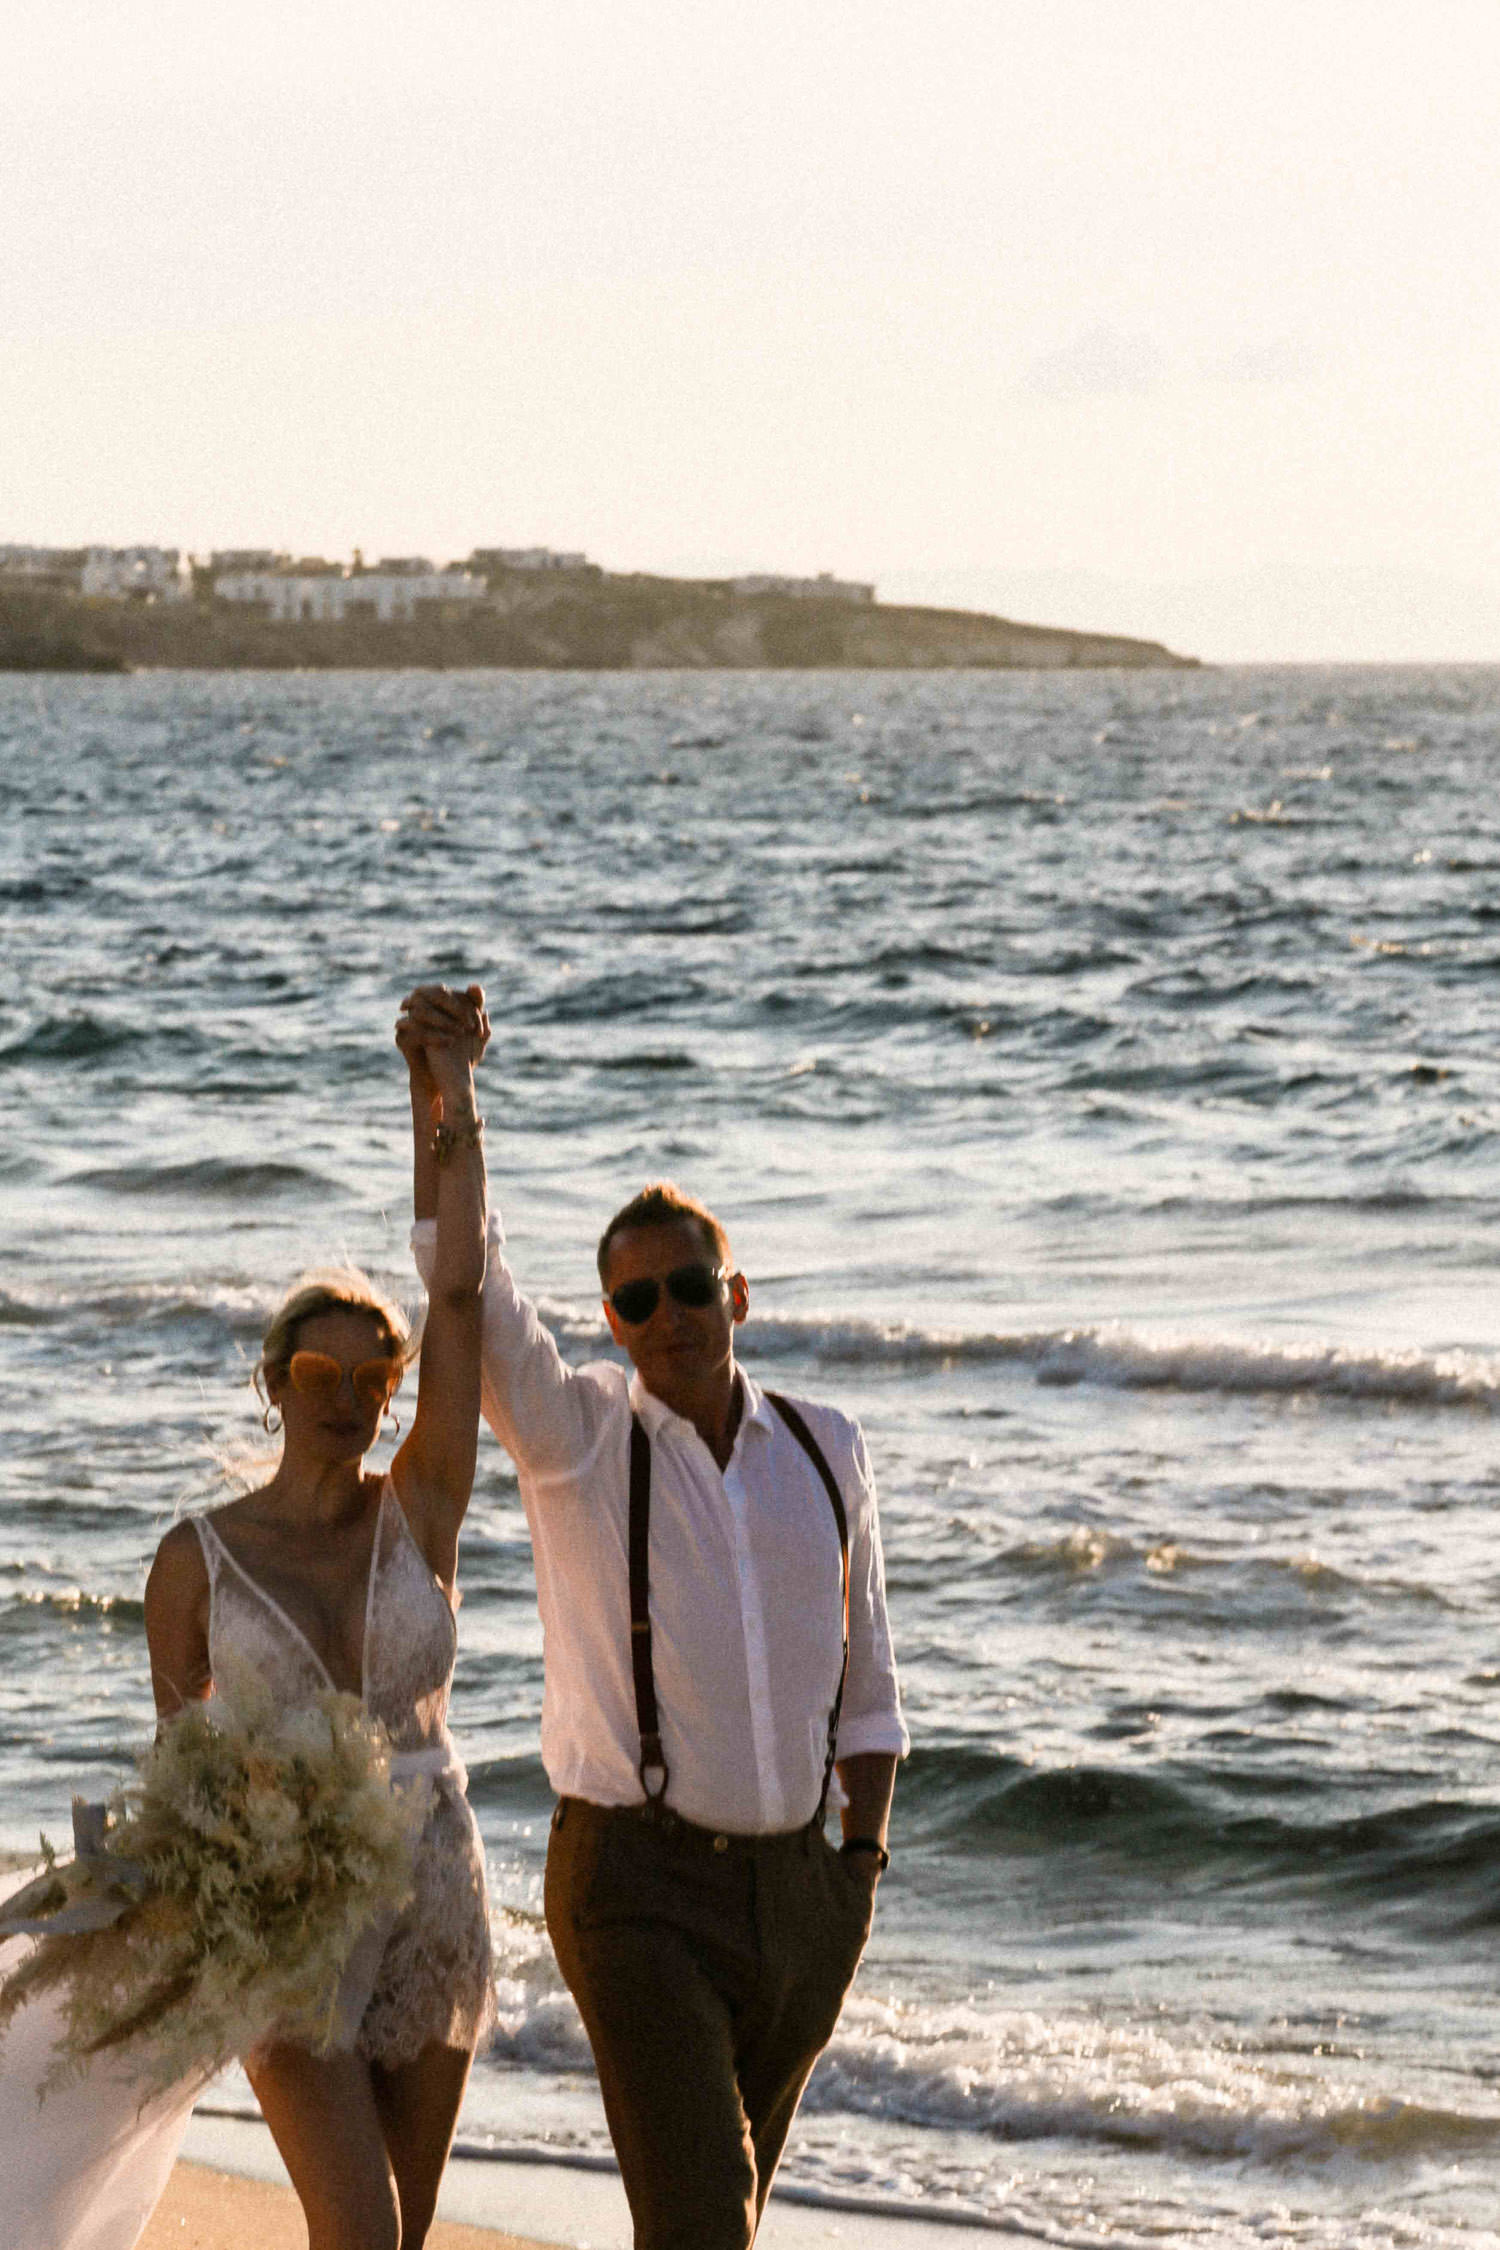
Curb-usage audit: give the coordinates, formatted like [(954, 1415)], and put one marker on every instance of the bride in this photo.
[(326, 1576)]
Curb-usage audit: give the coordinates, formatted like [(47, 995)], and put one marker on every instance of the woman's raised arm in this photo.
[(434, 1468)]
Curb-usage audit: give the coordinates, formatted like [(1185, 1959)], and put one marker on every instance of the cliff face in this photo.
[(600, 624), (40, 633)]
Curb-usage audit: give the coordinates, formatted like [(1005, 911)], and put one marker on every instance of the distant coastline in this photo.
[(599, 621)]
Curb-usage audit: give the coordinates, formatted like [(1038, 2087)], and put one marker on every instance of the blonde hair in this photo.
[(334, 1289)]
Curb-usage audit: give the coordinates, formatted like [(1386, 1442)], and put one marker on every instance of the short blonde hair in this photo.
[(333, 1289)]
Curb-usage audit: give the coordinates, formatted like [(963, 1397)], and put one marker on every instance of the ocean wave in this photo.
[(1016, 2074), (41, 890), (511, 1785), (1011, 2074), (967, 1795), (1120, 1358), (236, 1308), (1111, 1355), (1090, 1551), (1398, 1198), (75, 1038), (16, 1312), (73, 1601), (647, 1061), (605, 999), (169, 1308), (1435, 1859), (686, 920), (1020, 2075), (252, 1181)]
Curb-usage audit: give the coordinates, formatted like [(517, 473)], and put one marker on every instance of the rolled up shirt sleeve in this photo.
[(871, 1716), (531, 1399)]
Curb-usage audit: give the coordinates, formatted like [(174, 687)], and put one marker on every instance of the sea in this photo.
[(1099, 1073)]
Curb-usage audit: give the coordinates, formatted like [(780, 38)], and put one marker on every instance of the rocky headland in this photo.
[(604, 622)]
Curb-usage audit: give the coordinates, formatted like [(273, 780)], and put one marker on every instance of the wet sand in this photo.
[(229, 2192), (208, 2210)]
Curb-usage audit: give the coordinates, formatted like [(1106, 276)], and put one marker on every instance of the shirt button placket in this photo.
[(757, 1667)]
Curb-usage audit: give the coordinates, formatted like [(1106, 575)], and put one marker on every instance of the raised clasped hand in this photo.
[(438, 1027)]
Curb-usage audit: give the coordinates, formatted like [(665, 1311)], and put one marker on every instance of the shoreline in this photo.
[(502, 2201)]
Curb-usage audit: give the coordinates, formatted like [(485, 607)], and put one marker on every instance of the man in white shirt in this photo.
[(712, 1595)]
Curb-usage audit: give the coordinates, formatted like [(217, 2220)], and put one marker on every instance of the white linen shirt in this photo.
[(746, 1592)]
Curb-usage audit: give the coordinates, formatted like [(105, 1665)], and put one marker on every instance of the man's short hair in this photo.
[(662, 1203)]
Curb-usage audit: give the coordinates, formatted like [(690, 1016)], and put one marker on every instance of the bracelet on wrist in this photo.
[(467, 1133), (871, 1844)]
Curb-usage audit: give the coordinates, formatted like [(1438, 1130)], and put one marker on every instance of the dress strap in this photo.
[(214, 1549)]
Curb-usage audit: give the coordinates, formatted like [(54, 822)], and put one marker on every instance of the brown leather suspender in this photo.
[(647, 1718), (814, 1452)]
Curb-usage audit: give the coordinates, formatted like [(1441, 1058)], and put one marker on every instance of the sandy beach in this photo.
[(207, 2210)]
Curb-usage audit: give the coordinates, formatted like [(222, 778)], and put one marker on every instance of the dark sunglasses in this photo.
[(696, 1285)]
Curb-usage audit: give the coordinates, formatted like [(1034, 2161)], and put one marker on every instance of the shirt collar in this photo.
[(650, 1408), (654, 1414), (755, 1408)]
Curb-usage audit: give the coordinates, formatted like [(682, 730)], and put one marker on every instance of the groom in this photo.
[(718, 1670)]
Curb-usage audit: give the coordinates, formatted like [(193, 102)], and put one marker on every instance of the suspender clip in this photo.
[(653, 1762)]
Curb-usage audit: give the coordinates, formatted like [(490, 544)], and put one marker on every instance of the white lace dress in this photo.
[(431, 1978), (84, 2169)]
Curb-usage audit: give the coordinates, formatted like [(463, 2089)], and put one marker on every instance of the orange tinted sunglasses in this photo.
[(318, 1377)]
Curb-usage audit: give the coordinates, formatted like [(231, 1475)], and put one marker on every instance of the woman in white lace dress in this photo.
[(329, 1576)]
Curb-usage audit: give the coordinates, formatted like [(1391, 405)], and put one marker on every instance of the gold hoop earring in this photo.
[(272, 1429), (394, 1419)]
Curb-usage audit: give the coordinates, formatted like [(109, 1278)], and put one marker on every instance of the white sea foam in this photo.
[(1018, 2074), (1002, 2117), (238, 1307), (1114, 1356), (1066, 2075)]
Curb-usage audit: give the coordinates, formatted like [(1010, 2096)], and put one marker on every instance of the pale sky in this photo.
[(1168, 318)]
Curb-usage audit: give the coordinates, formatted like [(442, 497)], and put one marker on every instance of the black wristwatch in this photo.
[(866, 1844)]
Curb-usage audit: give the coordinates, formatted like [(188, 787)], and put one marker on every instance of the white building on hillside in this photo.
[(246, 558), (528, 558), (52, 566), (824, 588), (394, 595), (328, 597), (290, 596), (120, 574)]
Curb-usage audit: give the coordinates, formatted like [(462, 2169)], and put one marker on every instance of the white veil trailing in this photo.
[(84, 2165)]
